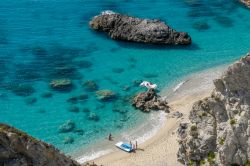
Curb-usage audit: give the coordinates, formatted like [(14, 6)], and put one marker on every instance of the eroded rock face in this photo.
[(149, 100), (219, 128), (123, 27), (19, 149), (246, 2)]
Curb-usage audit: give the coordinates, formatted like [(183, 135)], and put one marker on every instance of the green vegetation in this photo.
[(191, 163), (221, 141), (204, 114), (193, 128), (232, 121), (202, 162), (211, 157), (247, 163)]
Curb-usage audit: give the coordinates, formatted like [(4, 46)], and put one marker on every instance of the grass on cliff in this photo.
[(233, 121)]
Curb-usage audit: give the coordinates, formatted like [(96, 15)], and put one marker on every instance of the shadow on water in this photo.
[(143, 46)]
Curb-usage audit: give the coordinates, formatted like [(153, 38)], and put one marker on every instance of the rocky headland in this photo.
[(219, 129), (18, 148), (123, 27)]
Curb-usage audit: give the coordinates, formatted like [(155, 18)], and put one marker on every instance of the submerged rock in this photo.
[(30, 100), (68, 126), (106, 95), (149, 100), (46, 95), (18, 148), (21, 89), (68, 140), (90, 86), (93, 116), (73, 109), (123, 27), (61, 84), (219, 128)]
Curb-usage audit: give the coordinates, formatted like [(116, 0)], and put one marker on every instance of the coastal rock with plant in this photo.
[(123, 27), (18, 148), (149, 100), (219, 128)]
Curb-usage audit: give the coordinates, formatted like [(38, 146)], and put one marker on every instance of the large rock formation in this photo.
[(123, 27), (219, 128), (246, 2), (149, 100), (19, 149)]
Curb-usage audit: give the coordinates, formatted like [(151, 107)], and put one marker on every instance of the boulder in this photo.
[(61, 84), (149, 100), (123, 27), (106, 95), (90, 85), (219, 129), (18, 148)]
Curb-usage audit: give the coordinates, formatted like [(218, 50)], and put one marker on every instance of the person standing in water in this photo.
[(110, 137)]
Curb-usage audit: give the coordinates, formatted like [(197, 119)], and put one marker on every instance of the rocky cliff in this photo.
[(219, 128), (19, 149), (123, 27)]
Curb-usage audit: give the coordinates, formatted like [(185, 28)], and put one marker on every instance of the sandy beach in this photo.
[(161, 149)]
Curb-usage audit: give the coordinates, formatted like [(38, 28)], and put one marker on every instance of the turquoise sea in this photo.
[(42, 40)]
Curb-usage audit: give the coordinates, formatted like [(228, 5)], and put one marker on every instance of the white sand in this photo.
[(161, 149)]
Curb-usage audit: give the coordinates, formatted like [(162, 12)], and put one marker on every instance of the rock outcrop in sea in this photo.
[(18, 148), (219, 128), (123, 27), (149, 100), (246, 2)]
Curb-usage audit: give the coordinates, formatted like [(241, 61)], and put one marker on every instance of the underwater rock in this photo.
[(20, 149), (117, 70), (224, 21), (21, 89), (68, 126), (200, 26), (68, 140), (73, 109), (136, 83), (39, 51), (90, 86), (41, 111), (93, 116), (79, 131), (72, 100), (61, 84), (84, 64), (82, 97), (30, 100), (126, 88), (149, 100), (123, 27), (85, 110), (106, 95), (46, 95)]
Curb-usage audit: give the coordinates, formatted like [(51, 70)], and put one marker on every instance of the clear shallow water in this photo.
[(39, 39)]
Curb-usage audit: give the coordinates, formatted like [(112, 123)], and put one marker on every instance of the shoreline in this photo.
[(156, 147)]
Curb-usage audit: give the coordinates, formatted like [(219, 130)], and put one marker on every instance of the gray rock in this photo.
[(149, 100), (18, 148), (123, 27), (218, 132)]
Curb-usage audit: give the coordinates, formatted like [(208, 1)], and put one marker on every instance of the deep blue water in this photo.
[(42, 40)]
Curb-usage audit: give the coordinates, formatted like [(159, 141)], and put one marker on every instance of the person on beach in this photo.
[(110, 137), (135, 145)]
